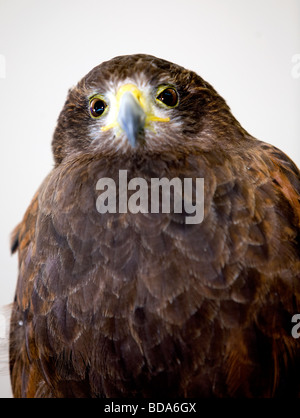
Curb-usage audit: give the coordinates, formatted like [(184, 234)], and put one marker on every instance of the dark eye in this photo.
[(168, 97), (97, 107)]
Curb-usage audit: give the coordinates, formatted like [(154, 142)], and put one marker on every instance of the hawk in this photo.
[(141, 303)]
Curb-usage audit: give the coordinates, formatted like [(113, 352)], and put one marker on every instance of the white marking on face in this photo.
[(111, 115)]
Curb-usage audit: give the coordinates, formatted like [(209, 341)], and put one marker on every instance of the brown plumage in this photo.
[(124, 304)]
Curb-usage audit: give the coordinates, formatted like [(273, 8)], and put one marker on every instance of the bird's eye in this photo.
[(167, 96), (97, 106)]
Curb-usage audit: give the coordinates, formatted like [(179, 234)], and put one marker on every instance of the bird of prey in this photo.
[(113, 302)]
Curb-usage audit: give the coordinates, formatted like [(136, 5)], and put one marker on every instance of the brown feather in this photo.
[(143, 304)]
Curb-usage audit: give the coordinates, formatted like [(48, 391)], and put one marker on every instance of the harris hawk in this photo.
[(122, 303)]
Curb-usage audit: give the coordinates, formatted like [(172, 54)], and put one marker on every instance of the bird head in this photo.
[(139, 103), (132, 111)]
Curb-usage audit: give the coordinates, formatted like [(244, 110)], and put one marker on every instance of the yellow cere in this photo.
[(145, 104)]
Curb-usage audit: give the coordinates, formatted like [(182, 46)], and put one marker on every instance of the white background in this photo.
[(244, 48)]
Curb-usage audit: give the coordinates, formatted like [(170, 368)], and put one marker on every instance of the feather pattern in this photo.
[(143, 304)]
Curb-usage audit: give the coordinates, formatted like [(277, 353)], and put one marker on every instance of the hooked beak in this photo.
[(133, 113), (131, 117)]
